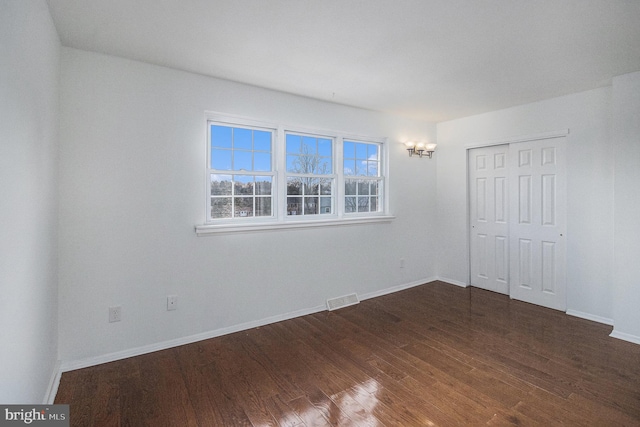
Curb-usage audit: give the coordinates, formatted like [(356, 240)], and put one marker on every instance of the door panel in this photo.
[(489, 209), (524, 199), (537, 232), (500, 192), (524, 263)]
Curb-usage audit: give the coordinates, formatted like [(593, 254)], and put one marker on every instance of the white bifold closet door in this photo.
[(489, 209), (518, 220), (538, 222)]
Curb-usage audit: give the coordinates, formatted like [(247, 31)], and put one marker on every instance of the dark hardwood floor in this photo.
[(436, 354)]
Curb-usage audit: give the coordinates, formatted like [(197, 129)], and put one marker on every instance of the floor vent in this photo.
[(341, 302)]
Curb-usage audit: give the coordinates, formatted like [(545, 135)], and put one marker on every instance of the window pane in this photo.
[(263, 206), (243, 185), (220, 136), (361, 167), (221, 159), (263, 185), (242, 139), (362, 195), (292, 163), (294, 205), (349, 150), (294, 186), (302, 164), (293, 144), (363, 204), (261, 140), (325, 186), (373, 204), (244, 206), (367, 159), (307, 164), (221, 207), (350, 167), (311, 186), (363, 188), (310, 205), (242, 160), (324, 166), (372, 168), (309, 155), (309, 145), (372, 152), (374, 187), (220, 185), (261, 161), (350, 204), (240, 149), (324, 147), (350, 187), (325, 205)]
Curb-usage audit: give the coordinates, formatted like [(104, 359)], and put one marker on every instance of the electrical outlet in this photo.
[(115, 314), (401, 262), (172, 302)]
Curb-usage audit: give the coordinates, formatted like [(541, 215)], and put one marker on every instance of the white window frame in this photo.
[(333, 176), (382, 178), (271, 172), (279, 218)]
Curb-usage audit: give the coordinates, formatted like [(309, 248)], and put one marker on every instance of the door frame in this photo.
[(488, 143)]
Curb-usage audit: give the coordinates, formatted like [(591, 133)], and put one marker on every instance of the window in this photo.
[(264, 176), (362, 177), (241, 172), (310, 180)]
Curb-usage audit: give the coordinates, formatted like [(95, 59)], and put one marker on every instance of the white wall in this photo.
[(131, 191), (589, 188), (29, 74), (626, 135)]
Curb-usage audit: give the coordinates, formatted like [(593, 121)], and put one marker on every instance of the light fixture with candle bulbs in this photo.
[(419, 148)]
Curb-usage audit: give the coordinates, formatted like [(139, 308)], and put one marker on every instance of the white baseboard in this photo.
[(71, 365), (54, 382), (453, 282), (397, 288), (592, 317), (625, 337)]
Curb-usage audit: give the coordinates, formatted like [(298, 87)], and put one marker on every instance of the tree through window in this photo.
[(310, 178)]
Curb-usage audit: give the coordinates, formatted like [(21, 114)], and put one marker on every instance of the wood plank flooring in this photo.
[(432, 355)]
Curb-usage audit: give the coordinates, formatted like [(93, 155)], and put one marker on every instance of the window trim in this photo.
[(280, 220), (333, 176), (228, 228), (272, 172), (383, 177)]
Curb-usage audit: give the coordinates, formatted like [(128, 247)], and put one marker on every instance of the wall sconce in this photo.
[(420, 149)]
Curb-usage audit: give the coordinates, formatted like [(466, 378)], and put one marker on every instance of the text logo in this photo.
[(35, 415)]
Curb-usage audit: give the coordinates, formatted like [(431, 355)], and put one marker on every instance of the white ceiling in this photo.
[(428, 59)]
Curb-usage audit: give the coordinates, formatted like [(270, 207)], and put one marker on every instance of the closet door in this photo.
[(538, 221), (489, 226)]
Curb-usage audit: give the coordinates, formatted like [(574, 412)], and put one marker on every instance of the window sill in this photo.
[(208, 229)]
